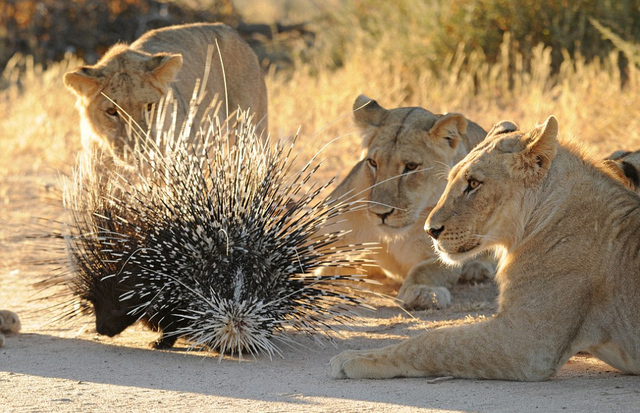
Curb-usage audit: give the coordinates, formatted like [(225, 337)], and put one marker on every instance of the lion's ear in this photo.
[(541, 145), (623, 171), (501, 127), (83, 81), (368, 115), (450, 127), (165, 67)]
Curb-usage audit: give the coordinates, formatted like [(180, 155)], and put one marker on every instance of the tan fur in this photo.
[(408, 153), (569, 275), (9, 324), (171, 58)]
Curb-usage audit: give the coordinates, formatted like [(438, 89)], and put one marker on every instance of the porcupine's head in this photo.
[(99, 239), (98, 278)]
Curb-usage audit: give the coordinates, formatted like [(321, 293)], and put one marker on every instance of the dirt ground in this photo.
[(53, 367)]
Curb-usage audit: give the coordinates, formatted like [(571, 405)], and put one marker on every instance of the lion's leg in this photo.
[(478, 269), (500, 348), (427, 286)]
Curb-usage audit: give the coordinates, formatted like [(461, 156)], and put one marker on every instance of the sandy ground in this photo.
[(67, 367)]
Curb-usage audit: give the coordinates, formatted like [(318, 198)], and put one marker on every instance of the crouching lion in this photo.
[(129, 80), (569, 272), (408, 153)]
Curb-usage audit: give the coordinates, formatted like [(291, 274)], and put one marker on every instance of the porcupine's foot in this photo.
[(163, 342)]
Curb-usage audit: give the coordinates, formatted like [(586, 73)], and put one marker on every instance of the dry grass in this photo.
[(586, 98), (39, 128)]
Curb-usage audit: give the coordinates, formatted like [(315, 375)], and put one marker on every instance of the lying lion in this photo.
[(130, 80), (569, 272), (409, 150)]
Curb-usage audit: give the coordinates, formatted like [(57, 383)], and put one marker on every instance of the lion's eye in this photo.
[(410, 166), (149, 107), (112, 111), (372, 163), (472, 184)]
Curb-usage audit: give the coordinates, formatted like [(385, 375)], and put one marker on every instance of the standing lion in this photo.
[(130, 80)]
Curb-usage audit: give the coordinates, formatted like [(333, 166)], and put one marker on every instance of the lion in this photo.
[(130, 80), (401, 177), (9, 324), (569, 269), (625, 166)]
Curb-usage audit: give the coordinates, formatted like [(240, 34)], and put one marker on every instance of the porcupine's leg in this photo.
[(164, 342), (166, 328), (500, 348)]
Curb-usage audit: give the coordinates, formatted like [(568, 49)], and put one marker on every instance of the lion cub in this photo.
[(569, 273), (408, 153), (129, 80)]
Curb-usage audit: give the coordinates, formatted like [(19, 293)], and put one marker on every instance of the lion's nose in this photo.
[(384, 215), (435, 232)]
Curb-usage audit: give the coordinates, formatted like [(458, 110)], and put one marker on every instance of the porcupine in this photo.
[(216, 243)]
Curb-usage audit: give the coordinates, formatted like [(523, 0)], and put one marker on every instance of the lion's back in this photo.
[(234, 69)]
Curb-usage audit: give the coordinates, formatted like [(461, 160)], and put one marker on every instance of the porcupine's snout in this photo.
[(111, 322), (106, 330)]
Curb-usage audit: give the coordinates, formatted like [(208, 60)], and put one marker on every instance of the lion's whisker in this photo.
[(347, 200), (365, 201)]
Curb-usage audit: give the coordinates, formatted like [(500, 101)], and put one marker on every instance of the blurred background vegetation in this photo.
[(488, 59), (421, 33)]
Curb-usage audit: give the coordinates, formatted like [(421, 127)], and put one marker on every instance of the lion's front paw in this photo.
[(337, 364), (9, 322), (477, 271), (423, 297), (357, 364)]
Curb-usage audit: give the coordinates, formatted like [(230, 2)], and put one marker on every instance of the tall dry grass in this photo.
[(39, 125), (586, 98)]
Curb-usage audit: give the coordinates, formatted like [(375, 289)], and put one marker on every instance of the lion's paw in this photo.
[(477, 271), (337, 364), (423, 297), (9, 322), (356, 364)]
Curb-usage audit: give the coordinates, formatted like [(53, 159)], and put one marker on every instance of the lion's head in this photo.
[(488, 192), (408, 151), (124, 83)]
